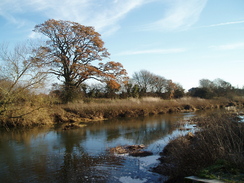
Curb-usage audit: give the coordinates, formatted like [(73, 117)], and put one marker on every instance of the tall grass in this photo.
[(25, 110), (136, 107), (221, 137), (42, 110), (25, 116)]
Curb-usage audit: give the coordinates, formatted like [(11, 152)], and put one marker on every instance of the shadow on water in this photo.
[(81, 155)]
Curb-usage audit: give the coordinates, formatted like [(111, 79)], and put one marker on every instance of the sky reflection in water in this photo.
[(81, 155)]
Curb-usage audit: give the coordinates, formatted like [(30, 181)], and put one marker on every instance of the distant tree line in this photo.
[(142, 84), (217, 88), (147, 84)]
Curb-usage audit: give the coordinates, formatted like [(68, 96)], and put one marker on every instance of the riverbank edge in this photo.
[(210, 153), (76, 115)]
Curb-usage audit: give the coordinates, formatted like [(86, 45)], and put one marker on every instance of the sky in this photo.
[(182, 40)]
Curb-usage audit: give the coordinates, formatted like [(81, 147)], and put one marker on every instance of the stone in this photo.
[(132, 150)]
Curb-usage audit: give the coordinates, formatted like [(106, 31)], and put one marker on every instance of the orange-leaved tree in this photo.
[(115, 76), (71, 51)]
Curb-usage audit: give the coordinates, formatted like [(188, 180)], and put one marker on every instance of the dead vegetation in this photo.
[(44, 112), (221, 137)]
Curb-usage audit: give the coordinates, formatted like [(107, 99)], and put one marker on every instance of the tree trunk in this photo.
[(70, 92)]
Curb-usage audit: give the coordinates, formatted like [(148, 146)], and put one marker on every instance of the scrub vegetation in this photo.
[(215, 151)]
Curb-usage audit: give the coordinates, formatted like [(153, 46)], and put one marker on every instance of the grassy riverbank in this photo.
[(215, 151), (44, 112)]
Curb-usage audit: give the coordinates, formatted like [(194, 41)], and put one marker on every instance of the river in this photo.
[(82, 155)]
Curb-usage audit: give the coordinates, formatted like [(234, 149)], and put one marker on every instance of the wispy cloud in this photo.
[(233, 46), (179, 15), (9, 9), (153, 51), (102, 14), (225, 23)]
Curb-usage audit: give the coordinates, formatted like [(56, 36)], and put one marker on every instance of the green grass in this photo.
[(223, 170)]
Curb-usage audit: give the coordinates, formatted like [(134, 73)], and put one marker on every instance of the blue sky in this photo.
[(182, 40)]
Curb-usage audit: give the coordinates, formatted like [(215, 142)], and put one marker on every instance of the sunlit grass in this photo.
[(43, 111)]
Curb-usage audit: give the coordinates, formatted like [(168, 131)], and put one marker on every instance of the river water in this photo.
[(82, 155)]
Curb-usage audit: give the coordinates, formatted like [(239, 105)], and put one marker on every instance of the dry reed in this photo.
[(98, 109), (221, 137)]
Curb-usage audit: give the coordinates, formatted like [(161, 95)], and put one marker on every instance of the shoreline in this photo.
[(214, 152), (80, 113)]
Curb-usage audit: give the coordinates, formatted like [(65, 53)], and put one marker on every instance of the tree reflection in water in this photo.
[(81, 155)]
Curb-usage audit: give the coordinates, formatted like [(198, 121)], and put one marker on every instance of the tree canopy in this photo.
[(148, 82), (210, 89), (71, 50)]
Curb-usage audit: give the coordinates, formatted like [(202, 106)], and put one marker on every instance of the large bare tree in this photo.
[(71, 51)]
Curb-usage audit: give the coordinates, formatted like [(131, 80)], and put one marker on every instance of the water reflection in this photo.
[(81, 155)]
